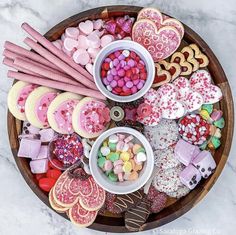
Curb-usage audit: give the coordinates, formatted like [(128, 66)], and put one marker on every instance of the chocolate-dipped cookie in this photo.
[(137, 216)]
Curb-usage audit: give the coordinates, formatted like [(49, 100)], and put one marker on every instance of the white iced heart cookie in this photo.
[(60, 111), (36, 106), (200, 81)]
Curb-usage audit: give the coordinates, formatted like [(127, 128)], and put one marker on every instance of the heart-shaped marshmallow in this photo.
[(200, 81), (160, 20), (160, 43), (86, 27)]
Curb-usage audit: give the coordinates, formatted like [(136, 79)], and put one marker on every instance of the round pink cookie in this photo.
[(17, 96), (60, 110), (90, 117), (36, 106)]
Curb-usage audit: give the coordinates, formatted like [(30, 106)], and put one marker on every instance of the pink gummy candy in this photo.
[(110, 26)]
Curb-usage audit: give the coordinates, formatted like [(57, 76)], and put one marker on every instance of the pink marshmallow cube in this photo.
[(29, 148), (190, 176), (185, 152), (46, 135), (205, 163), (39, 166), (43, 152)]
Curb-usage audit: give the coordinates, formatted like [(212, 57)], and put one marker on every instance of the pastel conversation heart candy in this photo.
[(86, 27), (160, 20), (161, 43), (200, 81)]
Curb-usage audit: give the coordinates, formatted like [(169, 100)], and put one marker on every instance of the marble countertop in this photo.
[(21, 212)]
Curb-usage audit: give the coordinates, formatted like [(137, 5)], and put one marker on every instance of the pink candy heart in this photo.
[(86, 27)]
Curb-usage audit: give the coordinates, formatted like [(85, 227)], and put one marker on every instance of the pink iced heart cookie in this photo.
[(160, 20), (192, 99), (161, 43), (200, 81), (171, 107)]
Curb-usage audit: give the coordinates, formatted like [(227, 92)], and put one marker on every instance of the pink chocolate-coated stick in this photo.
[(10, 63), (13, 56), (53, 49), (44, 72), (55, 84), (55, 60), (29, 54)]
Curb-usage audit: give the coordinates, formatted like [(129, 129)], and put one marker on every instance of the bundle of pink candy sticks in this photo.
[(47, 66)]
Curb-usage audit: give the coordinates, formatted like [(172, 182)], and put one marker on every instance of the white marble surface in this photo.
[(21, 212)]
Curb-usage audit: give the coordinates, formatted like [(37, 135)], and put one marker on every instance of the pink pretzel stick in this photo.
[(54, 50), (29, 54), (55, 60), (10, 63), (55, 84), (44, 72), (13, 56)]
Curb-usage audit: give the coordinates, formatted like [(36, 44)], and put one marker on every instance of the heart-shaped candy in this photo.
[(86, 27), (200, 81), (160, 43)]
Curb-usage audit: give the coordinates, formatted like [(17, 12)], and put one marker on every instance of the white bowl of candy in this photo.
[(121, 160), (124, 71)]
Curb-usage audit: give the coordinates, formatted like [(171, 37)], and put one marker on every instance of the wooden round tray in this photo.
[(175, 208)]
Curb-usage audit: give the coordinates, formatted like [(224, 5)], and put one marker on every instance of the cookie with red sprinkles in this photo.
[(163, 134), (194, 129)]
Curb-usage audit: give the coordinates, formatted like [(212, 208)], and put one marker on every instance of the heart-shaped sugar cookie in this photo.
[(200, 81), (160, 20), (160, 43), (161, 76)]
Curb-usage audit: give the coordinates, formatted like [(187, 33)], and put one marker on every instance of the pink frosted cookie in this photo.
[(161, 43), (160, 19), (16, 99), (60, 112), (36, 106), (90, 117)]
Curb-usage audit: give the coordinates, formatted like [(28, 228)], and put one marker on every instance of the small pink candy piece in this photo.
[(89, 68), (58, 44), (93, 52), (97, 24), (86, 27), (81, 56), (108, 165), (127, 26), (118, 162), (129, 84), (106, 39), (94, 41), (118, 169), (120, 177), (29, 148), (39, 166), (70, 44), (72, 32), (121, 136), (128, 139), (82, 42), (120, 146), (134, 89), (110, 26), (126, 175), (69, 53)]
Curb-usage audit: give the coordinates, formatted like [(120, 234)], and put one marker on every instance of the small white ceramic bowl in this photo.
[(125, 186), (122, 45)]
